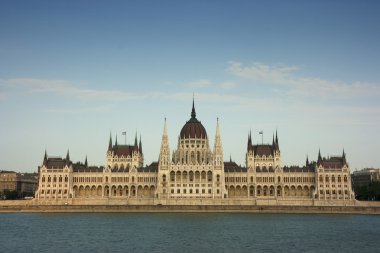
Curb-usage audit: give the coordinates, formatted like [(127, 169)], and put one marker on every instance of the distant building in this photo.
[(23, 183), (365, 176), (195, 174)]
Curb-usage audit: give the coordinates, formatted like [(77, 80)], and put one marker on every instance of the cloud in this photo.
[(202, 83), (282, 76), (65, 88)]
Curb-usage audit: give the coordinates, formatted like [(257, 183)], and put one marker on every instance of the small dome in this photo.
[(193, 128)]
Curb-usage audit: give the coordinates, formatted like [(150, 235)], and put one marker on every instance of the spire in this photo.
[(273, 140), (230, 159), (307, 160), (276, 138), (217, 127), (165, 129), (319, 156), (85, 162), (67, 158), (164, 157), (116, 141), (45, 158), (110, 143), (193, 114), (218, 149), (136, 140), (249, 146), (344, 157), (140, 145)]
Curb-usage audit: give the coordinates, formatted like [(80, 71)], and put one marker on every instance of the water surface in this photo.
[(188, 232)]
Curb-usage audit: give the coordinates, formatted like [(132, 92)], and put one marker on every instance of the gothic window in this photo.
[(163, 178), (43, 179)]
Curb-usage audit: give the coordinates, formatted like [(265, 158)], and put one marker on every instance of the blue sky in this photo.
[(71, 72)]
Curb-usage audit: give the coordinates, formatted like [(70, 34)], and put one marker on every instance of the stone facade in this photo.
[(23, 183), (195, 174)]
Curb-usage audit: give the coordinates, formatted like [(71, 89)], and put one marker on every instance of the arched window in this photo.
[(43, 179), (49, 179), (164, 178), (172, 176), (54, 179), (217, 178), (60, 179), (66, 179)]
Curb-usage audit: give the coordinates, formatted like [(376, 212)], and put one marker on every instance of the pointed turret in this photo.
[(249, 145), (218, 149), (140, 146), (85, 162), (68, 158), (273, 140), (277, 146), (110, 143), (136, 147), (319, 156), (116, 141), (344, 157), (307, 161), (164, 151), (276, 137), (45, 158)]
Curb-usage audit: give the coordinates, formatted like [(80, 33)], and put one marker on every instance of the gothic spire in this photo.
[(276, 137), (319, 156), (110, 143), (136, 140), (140, 145), (116, 141), (193, 114), (85, 162), (67, 156), (45, 158), (307, 160)]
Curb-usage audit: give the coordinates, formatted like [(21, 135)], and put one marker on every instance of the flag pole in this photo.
[(125, 137)]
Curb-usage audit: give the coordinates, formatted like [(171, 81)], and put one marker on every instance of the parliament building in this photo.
[(195, 174)]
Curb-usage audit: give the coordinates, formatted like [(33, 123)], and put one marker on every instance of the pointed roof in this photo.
[(136, 139), (140, 145), (110, 143), (276, 137), (45, 158), (319, 156), (193, 113), (116, 141), (193, 128), (85, 162)]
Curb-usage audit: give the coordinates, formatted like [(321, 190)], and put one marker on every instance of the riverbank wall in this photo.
[(28, 206)]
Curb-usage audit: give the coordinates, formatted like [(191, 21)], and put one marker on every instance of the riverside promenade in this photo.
[(15, 206)]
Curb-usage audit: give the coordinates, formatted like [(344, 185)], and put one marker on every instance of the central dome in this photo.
[(193, 128)]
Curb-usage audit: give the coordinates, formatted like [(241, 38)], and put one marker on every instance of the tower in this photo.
[(163, 165)]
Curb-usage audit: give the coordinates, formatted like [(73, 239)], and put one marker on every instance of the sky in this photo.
[(74, 72)]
